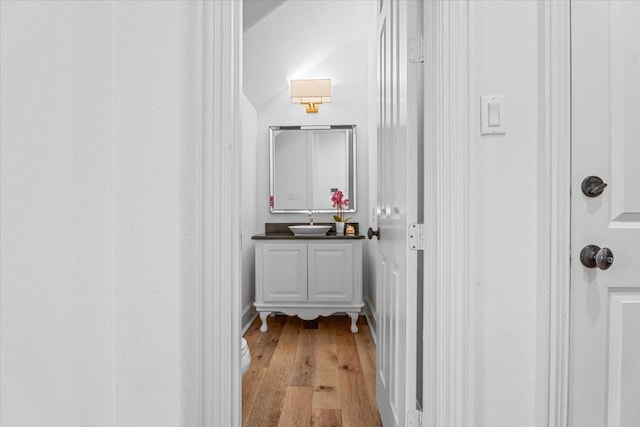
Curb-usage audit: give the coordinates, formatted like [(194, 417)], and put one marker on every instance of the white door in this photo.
[(604, 371), (399, 97)]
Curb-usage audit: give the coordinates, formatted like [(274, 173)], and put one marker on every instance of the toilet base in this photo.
[(245, 355)]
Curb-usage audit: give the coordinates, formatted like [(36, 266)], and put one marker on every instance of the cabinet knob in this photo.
[(371, 233)]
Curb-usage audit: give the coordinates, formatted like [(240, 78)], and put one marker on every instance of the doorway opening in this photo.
[(283, 41)]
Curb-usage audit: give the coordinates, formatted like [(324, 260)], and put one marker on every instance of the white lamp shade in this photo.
[(316, 91)]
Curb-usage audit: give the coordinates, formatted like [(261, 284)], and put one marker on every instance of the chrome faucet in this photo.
[(310, 217)]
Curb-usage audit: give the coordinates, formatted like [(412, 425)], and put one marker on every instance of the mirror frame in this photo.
[(351, 193)]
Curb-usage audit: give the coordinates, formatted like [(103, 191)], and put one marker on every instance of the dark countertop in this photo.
[(280, 231), (290, 236)]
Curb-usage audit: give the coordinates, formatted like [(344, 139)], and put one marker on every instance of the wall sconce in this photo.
[(311, 93)]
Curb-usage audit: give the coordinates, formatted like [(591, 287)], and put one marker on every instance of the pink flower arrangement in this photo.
[(339, 203)]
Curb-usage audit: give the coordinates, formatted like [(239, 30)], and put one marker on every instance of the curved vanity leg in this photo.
[(354, 319), (263, 317)]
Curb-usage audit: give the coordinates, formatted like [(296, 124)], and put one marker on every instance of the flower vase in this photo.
[(340, 228)]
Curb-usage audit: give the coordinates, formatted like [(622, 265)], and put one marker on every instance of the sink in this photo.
[(309, 230)]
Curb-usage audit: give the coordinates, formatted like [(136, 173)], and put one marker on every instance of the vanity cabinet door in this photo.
[(330, 273), (284, 272)]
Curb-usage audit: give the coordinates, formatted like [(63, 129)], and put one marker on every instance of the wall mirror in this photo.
[(308, 164)]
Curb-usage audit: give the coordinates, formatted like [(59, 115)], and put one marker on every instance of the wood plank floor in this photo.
[(310, 373)]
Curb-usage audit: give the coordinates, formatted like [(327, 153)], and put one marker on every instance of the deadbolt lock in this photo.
[(593, 186)]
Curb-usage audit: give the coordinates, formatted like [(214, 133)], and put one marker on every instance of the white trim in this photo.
[(248, 315), (448, 361), (372, 318), (554, 221), (213, 396)]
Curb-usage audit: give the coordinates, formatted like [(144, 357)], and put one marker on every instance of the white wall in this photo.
[(248, 211), (504, 61), (339, 49), (150, 94), (296, 38), (57, 265), (94, 119)]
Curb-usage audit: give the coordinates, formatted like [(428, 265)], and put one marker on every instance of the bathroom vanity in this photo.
[(308, 276)]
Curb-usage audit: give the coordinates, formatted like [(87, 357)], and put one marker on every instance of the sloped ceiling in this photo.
[(254, 10), (295, 38)]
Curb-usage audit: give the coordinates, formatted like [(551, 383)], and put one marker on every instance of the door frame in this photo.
[(554, 215), (448, 361), (210, 264)]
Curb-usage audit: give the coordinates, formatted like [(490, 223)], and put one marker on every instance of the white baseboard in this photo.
[(249, 314), (372, 318)]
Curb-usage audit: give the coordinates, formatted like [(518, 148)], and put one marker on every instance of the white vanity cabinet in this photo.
[(309, 278)]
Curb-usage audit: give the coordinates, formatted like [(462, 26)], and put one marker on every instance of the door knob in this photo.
[(593, 256), (593, 186), (371, 233)]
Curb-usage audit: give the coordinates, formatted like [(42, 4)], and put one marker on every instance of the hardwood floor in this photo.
[(310, 373)]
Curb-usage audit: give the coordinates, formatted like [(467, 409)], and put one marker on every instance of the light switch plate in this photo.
[(492, 115)]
